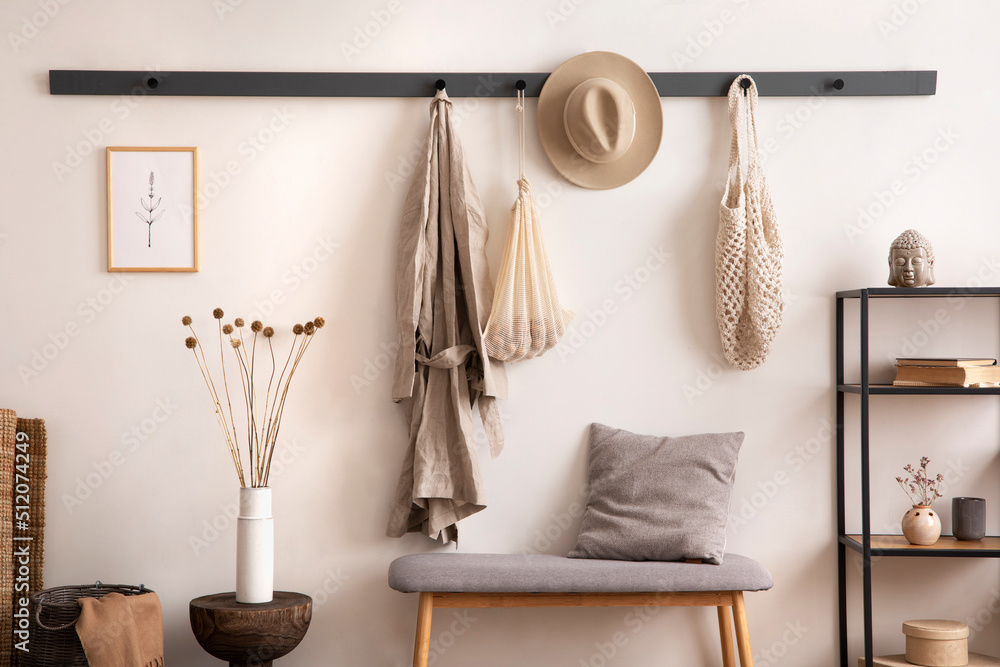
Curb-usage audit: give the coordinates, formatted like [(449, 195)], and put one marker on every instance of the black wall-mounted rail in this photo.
[(464, 84)]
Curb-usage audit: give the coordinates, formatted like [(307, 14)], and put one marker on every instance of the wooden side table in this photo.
[(250, 634)]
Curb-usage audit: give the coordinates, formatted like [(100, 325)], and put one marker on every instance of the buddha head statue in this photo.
[(911, 260)]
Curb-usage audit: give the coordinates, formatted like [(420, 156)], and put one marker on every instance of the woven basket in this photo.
[(54, 612)]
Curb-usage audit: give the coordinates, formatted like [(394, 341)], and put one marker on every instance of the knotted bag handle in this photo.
[(743, 119)]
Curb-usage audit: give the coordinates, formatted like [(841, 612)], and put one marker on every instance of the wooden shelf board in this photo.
[(975, 660), (947, 545), (889, 389)]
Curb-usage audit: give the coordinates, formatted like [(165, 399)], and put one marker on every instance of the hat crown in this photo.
[(599, 118)]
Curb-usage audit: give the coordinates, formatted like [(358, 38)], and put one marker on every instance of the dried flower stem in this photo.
[(219, 414), (303, 344), (253, 386), (267, 395), (247, 383), (250, 388), (277, 390), (225, 382)]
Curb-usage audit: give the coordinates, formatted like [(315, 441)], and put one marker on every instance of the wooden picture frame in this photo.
[(159, 187)]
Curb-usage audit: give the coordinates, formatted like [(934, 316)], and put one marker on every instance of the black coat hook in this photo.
[(520, 85), (151, 82), (746, 85), (839, 84), (439, 84)]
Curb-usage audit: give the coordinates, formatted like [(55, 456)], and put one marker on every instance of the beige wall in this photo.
[(307, 227)]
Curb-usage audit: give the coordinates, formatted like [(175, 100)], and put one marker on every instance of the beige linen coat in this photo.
[(443, 299)]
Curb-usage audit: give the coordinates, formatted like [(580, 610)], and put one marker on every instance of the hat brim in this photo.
[(648, 120)]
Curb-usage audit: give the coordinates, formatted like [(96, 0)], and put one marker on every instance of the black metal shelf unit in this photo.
[(863, 544)]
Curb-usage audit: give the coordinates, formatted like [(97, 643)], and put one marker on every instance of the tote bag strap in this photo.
[(737, 120), (753, 143), (743, 118)]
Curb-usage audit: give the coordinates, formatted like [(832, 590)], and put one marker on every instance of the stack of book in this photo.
[(947, 372)]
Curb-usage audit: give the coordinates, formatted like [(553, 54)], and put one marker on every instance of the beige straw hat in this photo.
[(600, 120)]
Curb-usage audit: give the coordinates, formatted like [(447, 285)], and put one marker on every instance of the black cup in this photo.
[(968, 518)]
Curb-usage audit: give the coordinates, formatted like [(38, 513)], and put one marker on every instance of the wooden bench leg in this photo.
[(742, 632), (422, 643), (726, 630)]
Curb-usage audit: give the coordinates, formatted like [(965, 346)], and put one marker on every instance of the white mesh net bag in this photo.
[(748, 253), (527, 318)]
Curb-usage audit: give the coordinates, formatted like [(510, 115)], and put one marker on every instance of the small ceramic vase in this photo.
[(921, 525)]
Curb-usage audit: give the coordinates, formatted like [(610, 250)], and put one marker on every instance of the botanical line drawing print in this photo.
[(150, 217)]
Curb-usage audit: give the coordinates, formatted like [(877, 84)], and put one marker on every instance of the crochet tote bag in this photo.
[(748, 252)]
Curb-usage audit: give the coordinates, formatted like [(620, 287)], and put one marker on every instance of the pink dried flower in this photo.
[(923, 489)]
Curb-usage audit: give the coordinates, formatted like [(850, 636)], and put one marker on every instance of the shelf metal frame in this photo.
[(865, 390)]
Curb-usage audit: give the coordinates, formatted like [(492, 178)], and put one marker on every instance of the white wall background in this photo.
[(324, 179)]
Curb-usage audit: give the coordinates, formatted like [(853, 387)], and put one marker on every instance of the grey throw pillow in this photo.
[(655, 498)]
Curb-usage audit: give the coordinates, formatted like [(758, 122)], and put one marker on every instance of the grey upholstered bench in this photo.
[(455, 580)]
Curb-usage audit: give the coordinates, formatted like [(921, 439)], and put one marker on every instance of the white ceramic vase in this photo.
[(255, 547), (921, 525)]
